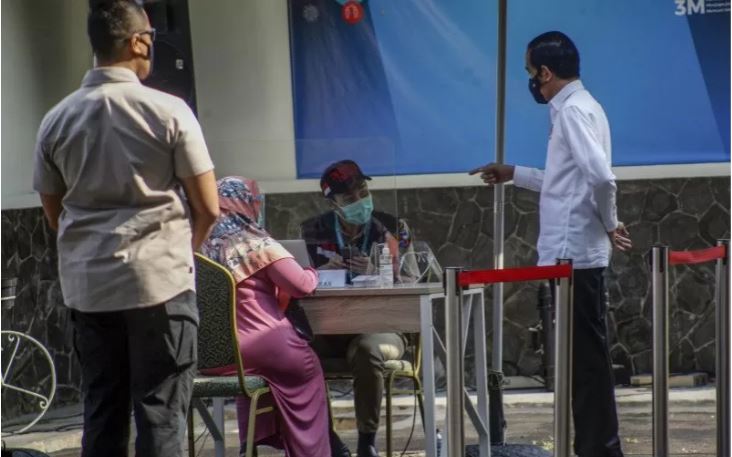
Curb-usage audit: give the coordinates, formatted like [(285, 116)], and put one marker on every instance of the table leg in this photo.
[(481, 369), (428, 375), (218, 414), (467, 308), (470, 408)]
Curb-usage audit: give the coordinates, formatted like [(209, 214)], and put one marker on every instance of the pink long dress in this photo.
[(272, 349)]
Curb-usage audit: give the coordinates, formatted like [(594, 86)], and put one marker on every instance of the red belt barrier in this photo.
[(468, 278), (692, 257)]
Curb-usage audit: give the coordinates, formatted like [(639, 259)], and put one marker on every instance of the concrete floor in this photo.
[(529, 415)]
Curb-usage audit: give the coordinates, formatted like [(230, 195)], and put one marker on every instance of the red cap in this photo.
[(341, 177)]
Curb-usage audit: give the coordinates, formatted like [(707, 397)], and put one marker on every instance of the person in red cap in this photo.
[(342, 239)]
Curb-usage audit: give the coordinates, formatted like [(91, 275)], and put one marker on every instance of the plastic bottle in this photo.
[(386, 268), (438, 439)]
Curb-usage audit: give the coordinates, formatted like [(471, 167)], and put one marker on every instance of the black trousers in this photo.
[(140, 360), (593, 387)]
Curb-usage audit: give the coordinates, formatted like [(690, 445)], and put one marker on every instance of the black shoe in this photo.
[(340, 451), (369, 451)]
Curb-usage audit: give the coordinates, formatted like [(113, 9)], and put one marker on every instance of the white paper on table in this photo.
[(366, 281), (331, 279)]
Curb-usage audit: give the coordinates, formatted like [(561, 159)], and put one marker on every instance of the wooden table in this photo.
[(405, 309)]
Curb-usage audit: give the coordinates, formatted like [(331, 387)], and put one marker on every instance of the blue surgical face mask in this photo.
[(358, 213)]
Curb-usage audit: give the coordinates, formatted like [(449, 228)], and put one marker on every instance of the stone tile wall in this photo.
[(458, 225), (29, 253)]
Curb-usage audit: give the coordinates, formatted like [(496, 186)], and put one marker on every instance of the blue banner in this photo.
[(410, 88)]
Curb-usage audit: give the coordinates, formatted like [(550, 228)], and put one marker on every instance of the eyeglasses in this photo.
[(152, 32)]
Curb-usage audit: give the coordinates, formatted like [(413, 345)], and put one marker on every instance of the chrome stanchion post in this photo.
[(723, 352), (455, 376), (659, 286), (499, 208), (497, 417), (563, 364)]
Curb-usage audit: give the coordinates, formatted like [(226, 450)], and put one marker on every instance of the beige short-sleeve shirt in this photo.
[(116, 151)]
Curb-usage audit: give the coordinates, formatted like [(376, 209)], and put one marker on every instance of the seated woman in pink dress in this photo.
[(267, 275)]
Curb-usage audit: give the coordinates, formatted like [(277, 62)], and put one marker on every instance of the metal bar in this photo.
[(30, 393), (481, 369), (475, 418), (428, 375), (498, 215), (499, 197), (723, 353), (498, 190), (11, 336), (501, 82), (388, 392), (218, 416), (252, 424), (467, 306), (563, 369), (659, 287), (207, 419), (453, 333)]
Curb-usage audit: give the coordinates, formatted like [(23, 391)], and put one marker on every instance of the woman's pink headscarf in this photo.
[(237, 241)]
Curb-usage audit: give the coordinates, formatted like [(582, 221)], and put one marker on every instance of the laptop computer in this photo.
[(299, 251)]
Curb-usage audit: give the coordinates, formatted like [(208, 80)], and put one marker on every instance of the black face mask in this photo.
[(534, 88)]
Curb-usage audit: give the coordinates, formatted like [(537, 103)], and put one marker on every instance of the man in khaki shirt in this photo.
[(110, 162)]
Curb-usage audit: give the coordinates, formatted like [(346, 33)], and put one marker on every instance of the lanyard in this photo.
[(339, 236)]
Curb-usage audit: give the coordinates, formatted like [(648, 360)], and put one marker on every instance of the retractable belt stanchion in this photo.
[(455, 372), (659, 285), (562, 272), (563, 297), (661, 259), (723, 352)]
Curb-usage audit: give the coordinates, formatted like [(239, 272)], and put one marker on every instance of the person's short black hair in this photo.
[(110, 23), (557, 52)]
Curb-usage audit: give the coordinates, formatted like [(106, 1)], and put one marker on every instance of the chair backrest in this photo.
[(216, 300)]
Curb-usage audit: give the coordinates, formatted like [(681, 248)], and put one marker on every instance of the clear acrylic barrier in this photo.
[(337, 229), (292, 205), (418, 264), (354, 214)]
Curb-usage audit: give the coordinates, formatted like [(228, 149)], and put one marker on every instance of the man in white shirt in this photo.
[(578, 221), (112, 163)]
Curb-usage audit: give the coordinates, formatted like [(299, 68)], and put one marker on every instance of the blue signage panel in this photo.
[(411, 87)]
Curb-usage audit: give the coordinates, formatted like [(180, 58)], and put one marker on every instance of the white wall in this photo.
[(241, 56), (44, 56)]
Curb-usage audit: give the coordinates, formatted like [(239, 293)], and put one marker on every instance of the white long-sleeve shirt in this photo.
[(577, 202)]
